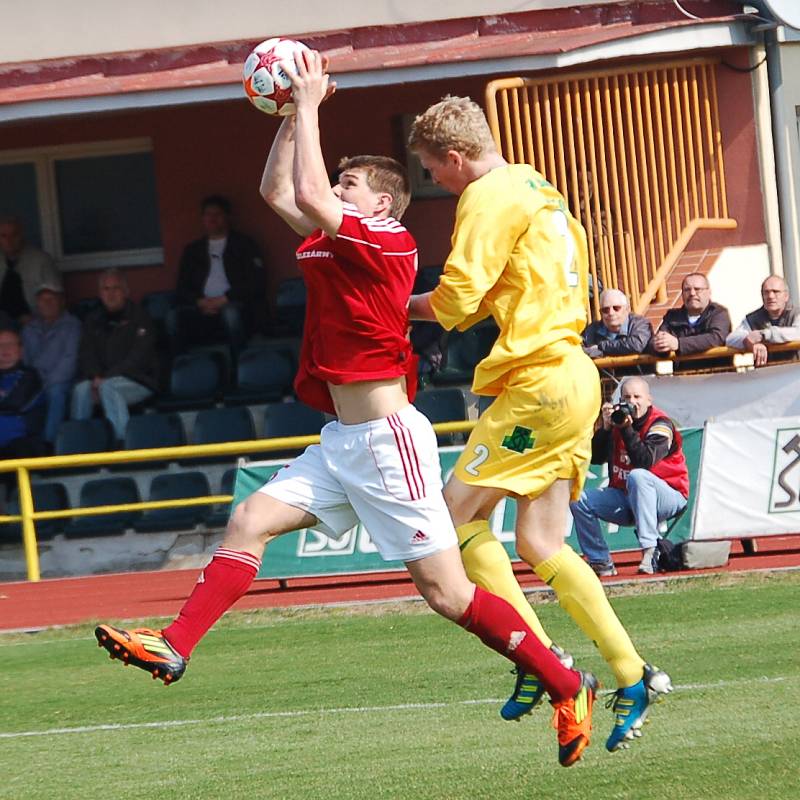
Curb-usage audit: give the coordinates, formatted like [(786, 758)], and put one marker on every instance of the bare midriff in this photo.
[(366, 400)]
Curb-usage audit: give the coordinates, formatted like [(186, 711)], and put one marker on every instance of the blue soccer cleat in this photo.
[(632, 704), (528, 690)]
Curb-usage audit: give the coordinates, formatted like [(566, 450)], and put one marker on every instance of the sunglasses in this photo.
[(606, 309)]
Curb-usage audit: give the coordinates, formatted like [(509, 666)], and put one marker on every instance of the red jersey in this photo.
[(356, 322)]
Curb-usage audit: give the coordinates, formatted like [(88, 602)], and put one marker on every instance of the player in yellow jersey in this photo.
[(519, 256)]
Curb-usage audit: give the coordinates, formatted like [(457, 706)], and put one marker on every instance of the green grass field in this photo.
[(388, 701)]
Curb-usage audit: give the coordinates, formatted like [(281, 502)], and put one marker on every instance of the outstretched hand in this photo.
[(311, 84)]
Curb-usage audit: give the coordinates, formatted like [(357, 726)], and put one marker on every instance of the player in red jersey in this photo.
[(378, 461)]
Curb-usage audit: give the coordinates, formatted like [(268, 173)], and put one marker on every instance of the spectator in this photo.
[(697, 325), (50, 342), (118, 359), (221, 284), (648, 481), (31, 266), (21, 402), (618, 332), (775, 322)]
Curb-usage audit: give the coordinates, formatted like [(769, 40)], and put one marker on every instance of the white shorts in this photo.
[(384, 472)]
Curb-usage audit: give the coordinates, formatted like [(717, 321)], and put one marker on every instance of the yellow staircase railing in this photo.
[(637, 153)]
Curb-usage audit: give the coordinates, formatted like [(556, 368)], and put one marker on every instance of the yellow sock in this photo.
[(581, 595), (487, 564)]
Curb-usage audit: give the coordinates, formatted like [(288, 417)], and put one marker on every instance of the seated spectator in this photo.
[(618, 332), (221, 284), (23, 268), (775, 322), (117, 358), (50, 342), (648, 481), (696, 326), (21, 403)]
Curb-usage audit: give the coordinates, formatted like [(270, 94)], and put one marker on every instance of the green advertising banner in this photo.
[(307, 553)]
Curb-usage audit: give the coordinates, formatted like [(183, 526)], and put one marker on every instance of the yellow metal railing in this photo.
[(636, 151), (23, 467)]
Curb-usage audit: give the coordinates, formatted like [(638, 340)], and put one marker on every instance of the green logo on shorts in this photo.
[(519, 440)]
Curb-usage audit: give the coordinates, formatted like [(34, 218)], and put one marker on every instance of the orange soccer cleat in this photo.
[(573, 721), (144, 648)]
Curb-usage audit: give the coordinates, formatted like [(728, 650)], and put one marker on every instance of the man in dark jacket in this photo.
[(21, 402), (221, 284), (697, 325), (618, 332), (118, 358), (648, 481)]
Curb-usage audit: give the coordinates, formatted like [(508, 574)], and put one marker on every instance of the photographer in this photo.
[(648, 480)]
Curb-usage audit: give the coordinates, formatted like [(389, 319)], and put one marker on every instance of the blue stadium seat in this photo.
[(147, 431), (82, 436), (46, 497), (463, 352), (173, 486), (103, 492), (290, 307), (263, 374), (443, 405), (215, 425), (290, 419), (159, 304), (195, 381), (218, 516)]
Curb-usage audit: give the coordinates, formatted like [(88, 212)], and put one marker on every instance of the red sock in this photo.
[(219, 586), (499, 626)]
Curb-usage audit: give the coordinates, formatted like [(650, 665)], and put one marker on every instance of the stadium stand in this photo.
[(290, 307), (152, 430), (82, 436), (212, 425), (196, 381), (290, 419), (46, 497), (443, 405)]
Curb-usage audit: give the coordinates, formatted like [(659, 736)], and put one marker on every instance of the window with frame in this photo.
[(91, 206)]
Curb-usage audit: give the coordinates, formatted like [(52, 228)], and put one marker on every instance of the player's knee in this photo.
[(245, 526), (447, 602)]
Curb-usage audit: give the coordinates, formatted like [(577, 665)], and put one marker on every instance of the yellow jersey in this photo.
[(521, 257)]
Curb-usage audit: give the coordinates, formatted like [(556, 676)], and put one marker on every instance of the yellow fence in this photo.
[(636, 151), (24, 466)]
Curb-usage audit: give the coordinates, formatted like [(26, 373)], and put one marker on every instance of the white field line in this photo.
[(177, 723)]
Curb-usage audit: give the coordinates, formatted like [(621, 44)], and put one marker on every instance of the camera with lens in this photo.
[(620, 412)]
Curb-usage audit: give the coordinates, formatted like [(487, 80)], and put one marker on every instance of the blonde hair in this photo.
[(383, 174), (454, 123)]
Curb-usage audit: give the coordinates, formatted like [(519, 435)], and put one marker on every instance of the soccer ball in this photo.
[(265, 77)]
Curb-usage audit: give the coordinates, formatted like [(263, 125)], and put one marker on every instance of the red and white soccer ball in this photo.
[(265, 77)]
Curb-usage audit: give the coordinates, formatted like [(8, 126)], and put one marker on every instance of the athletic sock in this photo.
[(498, 625), (219, 586), (487, 565), (581, 595)]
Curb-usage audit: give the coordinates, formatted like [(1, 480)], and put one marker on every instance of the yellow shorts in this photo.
[(538, 429)]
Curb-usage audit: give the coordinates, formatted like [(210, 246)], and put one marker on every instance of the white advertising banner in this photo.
[(749, 479), (690, 400)]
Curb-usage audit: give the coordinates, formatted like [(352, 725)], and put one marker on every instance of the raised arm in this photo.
[(277, 186), (312, 189)]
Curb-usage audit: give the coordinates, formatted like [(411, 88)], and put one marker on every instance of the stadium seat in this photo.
[(82, 436), (146, 431), (263, 374), (484, 401), (463, 352), (173, 486), (443, 405), (218, 516), (290, 419), (46, 497), (105, 492), (84, 307), (215, 425), (290, 307), (195, 381), (159, 304)]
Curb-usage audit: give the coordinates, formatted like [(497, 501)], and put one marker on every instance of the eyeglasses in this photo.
[(606, 309)]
